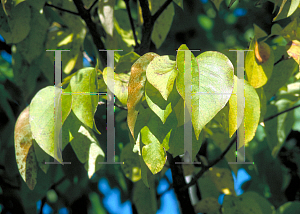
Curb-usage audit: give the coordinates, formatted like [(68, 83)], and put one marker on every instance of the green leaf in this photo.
[(24, 149), (106, 15), (153, 152), (223, 180), (258, 32), (18, 22), (125, 62), (85, 102), (161, 73), (212, 72), (259, 63), (131, 166), (281, 125), (287, 8), (33, 45), (207, 205), (251, 112), (163, 24), (120, 85), (136, 88), (42, 118), (247, 203), (144, 198), (289, 208), (281, 73), (84, 144)]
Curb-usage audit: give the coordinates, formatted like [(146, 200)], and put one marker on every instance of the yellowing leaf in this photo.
[(251, 112), (294, 50), (259, 64), (262, 52), (136, 88), (24, 149)]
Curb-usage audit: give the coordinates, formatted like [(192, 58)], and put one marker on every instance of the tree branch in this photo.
[(86, 16), (146, 29), (61, 9), (161, 9), (205, 168), (179, 181), (276, 115), (131, 22), (92, 5)]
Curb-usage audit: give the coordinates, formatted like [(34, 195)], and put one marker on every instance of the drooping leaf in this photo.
[(42, 118), (24, 149), (153, 152), (161, 73), (85, 101), (136, 88), (251, 112), (106, 15), (287, 8), (131, 166), (212, 84), (259, 63)]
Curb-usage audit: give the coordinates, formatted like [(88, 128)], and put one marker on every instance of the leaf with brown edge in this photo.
[(136, 88), (24, 149), (262, 51)]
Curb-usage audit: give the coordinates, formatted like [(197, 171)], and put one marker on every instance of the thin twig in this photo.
[(92, 5), (86, 16), (161, 10), (61, 9), (276, 115), (205, 168), (131, 22)]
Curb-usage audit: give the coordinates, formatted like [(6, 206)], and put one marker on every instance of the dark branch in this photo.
[(131, 22), (205, 168), (85, 15), (276, 115), (61, 9), (179, 181), (92, 5), (146, 29), (161, 10)]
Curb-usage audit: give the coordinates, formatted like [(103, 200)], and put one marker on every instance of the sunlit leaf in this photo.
[(106, 15), (42, 118), (24, 149), (212, 72), (251, 111), (223, 180), (85, 102)]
